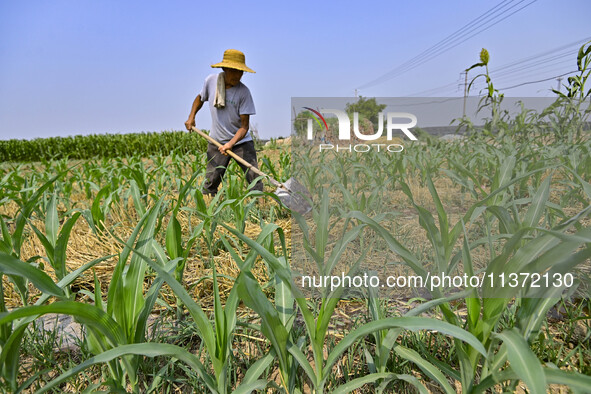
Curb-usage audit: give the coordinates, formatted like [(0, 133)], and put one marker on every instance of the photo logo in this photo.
[(395, 122), (310, 122)]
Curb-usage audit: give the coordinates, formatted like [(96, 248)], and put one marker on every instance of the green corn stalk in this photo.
[(206, 213), (11, 334), (237, 200), (493, 97), (174, 245), (519, 255), (11, 337), (12, 242), (54, 242), (316, 327), (268, 166), (279, 317), (277, 335), (376, 312), (123, 319), (218, 335), (126, 302), (136, 196), (99, 211)]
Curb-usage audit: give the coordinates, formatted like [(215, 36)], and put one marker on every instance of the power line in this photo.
[(478, 85), (539, 55), (460, 31), (500, 89), (539, 73), (515, 69), (537, 64), (434, 90), (456, 35), (440, 51), (541, 80), (551, 61), (496, 22), (445, 100), (452, 40), (555, 56)]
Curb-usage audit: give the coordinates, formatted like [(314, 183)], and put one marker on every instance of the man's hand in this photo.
[(225, 147), (240, 133), (197, 104), (190, 123)]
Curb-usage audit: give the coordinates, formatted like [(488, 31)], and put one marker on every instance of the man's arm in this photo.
[(240, 134), (197, 104)]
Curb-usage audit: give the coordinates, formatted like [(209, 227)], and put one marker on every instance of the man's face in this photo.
[(232, 76)]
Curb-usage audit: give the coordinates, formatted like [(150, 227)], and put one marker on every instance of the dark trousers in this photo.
[(217, 164)]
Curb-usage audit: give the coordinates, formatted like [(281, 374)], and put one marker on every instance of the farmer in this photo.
[(231, 105)]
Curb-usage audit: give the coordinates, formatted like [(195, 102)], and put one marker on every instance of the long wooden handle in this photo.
[(236, 157)]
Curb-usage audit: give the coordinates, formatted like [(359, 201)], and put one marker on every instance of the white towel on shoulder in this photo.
[(220, 92)]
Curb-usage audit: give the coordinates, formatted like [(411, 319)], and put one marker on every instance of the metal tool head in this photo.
[(295, 196)]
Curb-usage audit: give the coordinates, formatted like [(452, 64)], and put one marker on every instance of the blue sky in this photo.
[(72, 67)]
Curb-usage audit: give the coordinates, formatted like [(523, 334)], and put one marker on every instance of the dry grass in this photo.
[(85, 246)]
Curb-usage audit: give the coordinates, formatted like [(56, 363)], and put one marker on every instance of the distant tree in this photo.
[(367, 108), (300, 123)]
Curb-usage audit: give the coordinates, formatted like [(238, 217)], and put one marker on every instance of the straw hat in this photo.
[(233, 59)]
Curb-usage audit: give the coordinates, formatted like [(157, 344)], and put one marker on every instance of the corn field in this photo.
[(82, 147), (178, 292)]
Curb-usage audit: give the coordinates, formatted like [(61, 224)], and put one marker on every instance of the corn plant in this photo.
[(493, 97), (317, 372), (277, 331), (11, 334), (54, 242), (12, 241), (102, 146), (238, 201), (551, 250), (122, 320), (216, 335), (174, 242), (576, 84), (99, 210)]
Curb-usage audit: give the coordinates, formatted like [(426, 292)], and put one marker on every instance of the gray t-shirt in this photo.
[(225, 122)]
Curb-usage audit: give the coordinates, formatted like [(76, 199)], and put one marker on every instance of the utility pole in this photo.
[(559, 79), (355, 93), (465, 91)]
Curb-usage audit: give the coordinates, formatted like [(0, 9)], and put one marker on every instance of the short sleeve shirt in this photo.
[(225, 122)]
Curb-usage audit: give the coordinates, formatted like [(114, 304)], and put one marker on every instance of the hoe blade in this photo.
[(295, 196)]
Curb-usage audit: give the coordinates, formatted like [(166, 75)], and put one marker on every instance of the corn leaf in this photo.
[(407, 323), (88, 315), (142, 349), (13, 266), (62, 244), (523, 361), (354, 384), (51, 220), (425, 366)]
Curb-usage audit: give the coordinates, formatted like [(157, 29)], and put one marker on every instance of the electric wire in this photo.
[(420, 57), (525, 66), (444, 49), (451, 41), (541, 80), (443, 42)]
